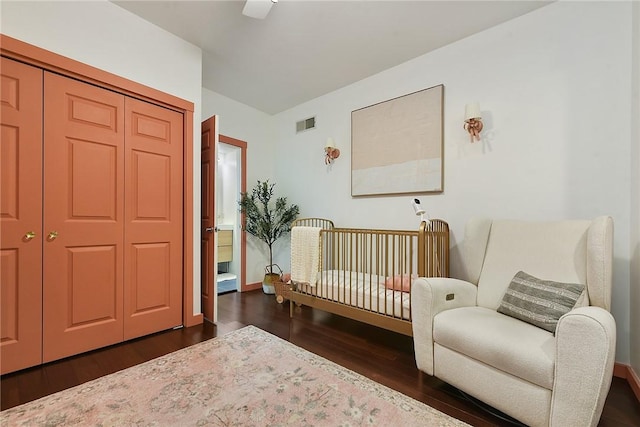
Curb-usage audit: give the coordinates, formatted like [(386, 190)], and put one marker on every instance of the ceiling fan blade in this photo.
[(257, 9)]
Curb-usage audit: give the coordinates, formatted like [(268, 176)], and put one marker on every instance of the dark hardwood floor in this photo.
[(383, 356)]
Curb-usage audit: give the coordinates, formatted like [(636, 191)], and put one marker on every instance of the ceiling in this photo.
[(304, 49)]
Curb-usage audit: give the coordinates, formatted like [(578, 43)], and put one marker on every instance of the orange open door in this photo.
[(207, 223)]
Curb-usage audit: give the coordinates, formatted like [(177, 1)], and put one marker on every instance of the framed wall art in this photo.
[(397, 145)]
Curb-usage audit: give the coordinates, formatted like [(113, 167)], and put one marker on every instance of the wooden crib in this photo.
[(366, 274)]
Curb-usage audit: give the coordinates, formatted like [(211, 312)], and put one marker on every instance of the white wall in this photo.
[(108, 37), (635, 196), (555, 90)]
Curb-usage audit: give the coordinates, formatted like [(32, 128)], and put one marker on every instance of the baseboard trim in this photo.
[(251, 286), (620, 370), (196, 319), (626, 372), (634, 382)]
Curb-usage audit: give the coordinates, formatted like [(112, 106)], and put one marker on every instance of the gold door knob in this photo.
[(30, 235), (52, 235)]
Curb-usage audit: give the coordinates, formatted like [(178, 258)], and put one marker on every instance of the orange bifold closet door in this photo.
[(112, 218), (21, 216), (153, 215), (83, 217)]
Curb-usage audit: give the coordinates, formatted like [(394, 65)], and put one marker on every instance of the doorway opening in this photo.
[(228, 187)]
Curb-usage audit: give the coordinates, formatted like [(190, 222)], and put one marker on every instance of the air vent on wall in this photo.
[(305, 124)]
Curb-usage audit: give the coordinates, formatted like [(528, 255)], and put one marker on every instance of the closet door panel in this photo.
[(20, 216), (153, 213), (84, 217)]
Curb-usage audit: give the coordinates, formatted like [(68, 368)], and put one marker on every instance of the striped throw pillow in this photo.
[(539, 302)]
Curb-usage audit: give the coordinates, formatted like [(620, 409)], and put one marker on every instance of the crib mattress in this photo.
[(362, 290)]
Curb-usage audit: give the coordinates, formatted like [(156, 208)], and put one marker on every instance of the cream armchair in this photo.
[(536, 376)]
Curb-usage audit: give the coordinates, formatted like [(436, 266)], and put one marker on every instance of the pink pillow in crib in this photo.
[(286, 277), (400, 282)]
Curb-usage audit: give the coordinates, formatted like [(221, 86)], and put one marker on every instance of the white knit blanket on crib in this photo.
[(305, 254)]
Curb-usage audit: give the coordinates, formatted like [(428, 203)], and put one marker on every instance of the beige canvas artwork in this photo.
[(397, 145)]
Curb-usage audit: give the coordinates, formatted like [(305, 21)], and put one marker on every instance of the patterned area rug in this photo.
[(247, 377)]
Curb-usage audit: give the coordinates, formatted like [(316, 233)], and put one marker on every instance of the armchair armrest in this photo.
[(430, 296), (585, 355)]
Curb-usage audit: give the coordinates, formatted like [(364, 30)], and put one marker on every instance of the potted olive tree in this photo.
[(267, 221)]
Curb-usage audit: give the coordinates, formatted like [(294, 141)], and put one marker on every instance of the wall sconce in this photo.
[(330, 152), (473, 120)]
